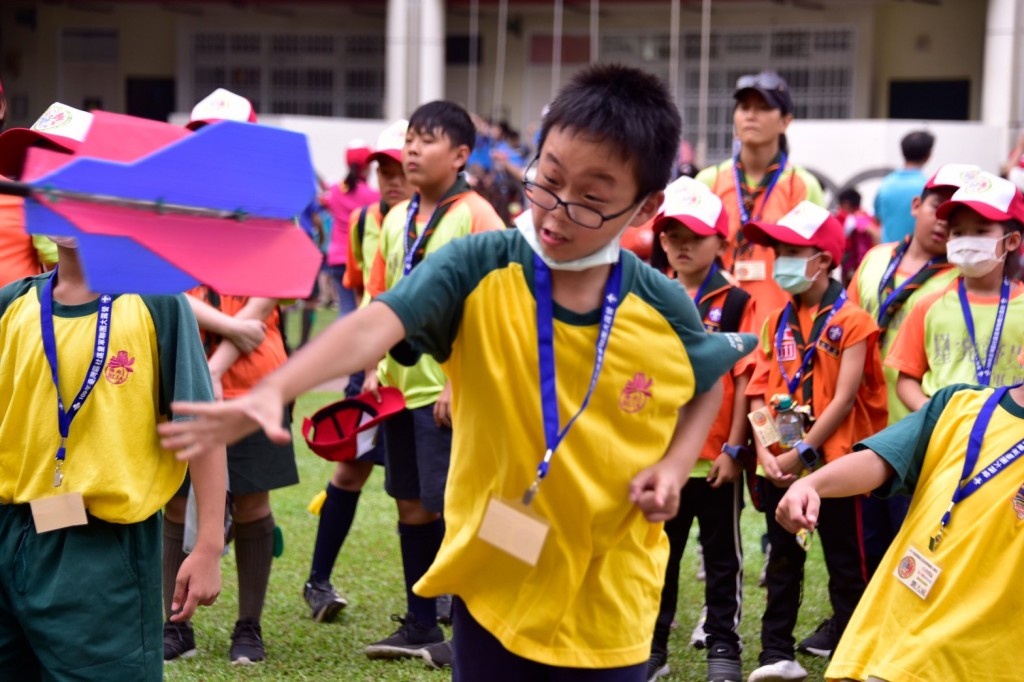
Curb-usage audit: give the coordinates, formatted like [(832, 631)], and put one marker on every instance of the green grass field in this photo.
[(369, 574)]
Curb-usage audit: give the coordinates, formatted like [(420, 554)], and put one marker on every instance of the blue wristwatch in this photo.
[(808, 455), (735, 451)]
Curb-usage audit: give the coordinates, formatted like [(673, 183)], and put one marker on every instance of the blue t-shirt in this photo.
[(892, 203)]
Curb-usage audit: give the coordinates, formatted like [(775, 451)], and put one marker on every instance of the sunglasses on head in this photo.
[(762, 81)]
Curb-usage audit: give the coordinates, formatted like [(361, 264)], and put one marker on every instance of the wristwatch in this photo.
[(735, 451), (808, 456)]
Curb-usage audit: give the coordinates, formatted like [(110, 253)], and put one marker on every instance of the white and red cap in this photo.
[(60, 128), (806, 225), (990, 196), (694, 205), (221, 105), (357, 152), (347, 429), (952, 175), (390, 142)]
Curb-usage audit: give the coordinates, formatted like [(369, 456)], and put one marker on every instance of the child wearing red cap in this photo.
[(969, 333), (823, 354), (693, 229)]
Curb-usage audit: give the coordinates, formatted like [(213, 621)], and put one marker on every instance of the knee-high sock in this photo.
[(254, 552), (336, 516), (419, 547)]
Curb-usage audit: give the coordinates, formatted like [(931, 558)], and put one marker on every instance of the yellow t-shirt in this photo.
[(592, 599), (968, 628), (114, 456)]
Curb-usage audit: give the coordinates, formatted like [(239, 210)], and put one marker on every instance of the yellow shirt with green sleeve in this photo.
[(114, 456), (592, 599)]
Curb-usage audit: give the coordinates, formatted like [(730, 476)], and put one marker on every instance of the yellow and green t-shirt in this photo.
[(592, 599), (863, 291), (968, 628), (933, 344), (469, 213), (114, 456)]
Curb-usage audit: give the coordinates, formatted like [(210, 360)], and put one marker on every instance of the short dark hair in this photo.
[(1012, 267), (631, 110), (850, 196), (448, 117), (917, 146)]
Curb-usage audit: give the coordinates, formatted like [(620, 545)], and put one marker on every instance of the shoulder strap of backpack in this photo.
[(732, 309)]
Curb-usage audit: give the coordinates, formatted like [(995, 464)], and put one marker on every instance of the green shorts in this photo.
[(80, 603)]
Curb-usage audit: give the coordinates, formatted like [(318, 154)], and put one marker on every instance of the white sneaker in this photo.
[(780, 671), (699, 638)]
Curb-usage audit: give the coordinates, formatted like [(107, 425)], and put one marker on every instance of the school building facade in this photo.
[(954, 60)]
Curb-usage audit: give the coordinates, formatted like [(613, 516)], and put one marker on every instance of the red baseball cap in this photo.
[(990, 196), (347, 429), (952, 176), (221, 105), (357, 152), (695, 206), (390, 142), (806, 225), (61, 128)]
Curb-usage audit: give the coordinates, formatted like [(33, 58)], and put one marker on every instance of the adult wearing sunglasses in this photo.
[(759, 183)]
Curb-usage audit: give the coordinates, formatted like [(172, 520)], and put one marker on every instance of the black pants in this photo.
[(840, 532), (478, 655), (717, 511)]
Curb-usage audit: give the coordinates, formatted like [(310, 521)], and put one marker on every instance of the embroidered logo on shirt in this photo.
[(906, 567), (119, 367), (635, 394), (787, 351), (1018, 503), (715, 314), (835, 333)]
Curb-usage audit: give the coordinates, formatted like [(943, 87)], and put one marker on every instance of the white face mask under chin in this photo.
[(975, 256), (606, 255)]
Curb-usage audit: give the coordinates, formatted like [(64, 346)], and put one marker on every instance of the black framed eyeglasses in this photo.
[(581, 214)]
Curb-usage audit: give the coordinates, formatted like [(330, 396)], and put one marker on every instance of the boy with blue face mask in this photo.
[(823, 352)]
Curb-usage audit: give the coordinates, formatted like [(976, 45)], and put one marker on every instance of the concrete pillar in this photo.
[(396, 59), (430, 55), (1001, 79)]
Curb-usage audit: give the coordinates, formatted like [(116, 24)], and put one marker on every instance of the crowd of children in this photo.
[(569, 412)]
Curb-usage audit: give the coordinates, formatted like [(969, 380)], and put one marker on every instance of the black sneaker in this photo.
[(657, 665), (179, 641), (444, 609), (438, 656), (822, 642), (724, 665), (324, 601), (410, 639), (247, 643)]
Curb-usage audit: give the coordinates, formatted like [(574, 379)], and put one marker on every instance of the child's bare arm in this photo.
[(254, 310), (355, 342), (198, 580), (245, 333), (725, 469), (851, 371), (910, 392)]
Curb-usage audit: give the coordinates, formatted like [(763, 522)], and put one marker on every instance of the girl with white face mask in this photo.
[(972, 331)]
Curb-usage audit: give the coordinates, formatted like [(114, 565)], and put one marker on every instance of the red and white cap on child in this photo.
[(694, 205), (60, 128), (357, 152), (806, 225), (990, 196), (221, 105), (390, 142), (953, 176)]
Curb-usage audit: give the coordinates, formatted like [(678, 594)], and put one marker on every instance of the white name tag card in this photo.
[(750, 270), (917, 572), (58, 511), (514, 529)]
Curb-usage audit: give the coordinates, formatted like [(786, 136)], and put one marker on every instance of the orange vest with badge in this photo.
[(850, 325)]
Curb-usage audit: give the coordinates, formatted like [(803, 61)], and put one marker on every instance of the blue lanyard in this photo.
[(890, 272), (546, 352), (411, 246), (99, 356), (794, 383), (969, 485), (744, 214), (704, 285), (984, 372)]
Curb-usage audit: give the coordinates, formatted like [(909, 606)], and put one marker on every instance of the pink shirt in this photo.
[(341, 204)]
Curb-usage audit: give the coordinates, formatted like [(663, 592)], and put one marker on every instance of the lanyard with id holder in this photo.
[(67, 509), (511, 525), (915, 569), (747, 269)]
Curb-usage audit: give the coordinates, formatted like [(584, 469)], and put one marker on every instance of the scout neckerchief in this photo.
[(890, 297), (746, 196), (968, 485), (983, 372), (416, 246), (546, 353), (99, 356), (831, 302), (713, 283)]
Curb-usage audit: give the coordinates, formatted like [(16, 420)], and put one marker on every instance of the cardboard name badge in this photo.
[(515, 529), (58, 511)]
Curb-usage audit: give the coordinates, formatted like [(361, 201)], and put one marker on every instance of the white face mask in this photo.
[(66, 242), (975, 256), (606, 255)]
